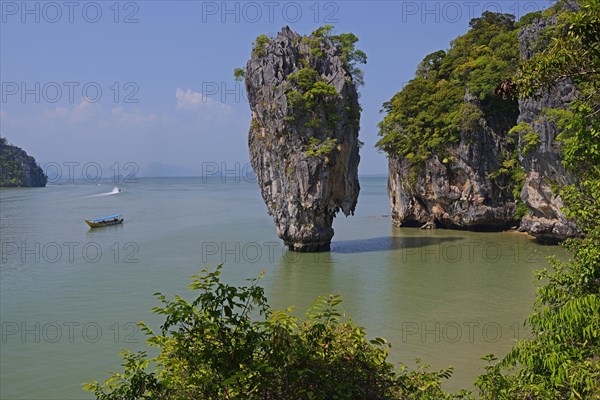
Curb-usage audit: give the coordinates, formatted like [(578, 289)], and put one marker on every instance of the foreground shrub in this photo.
[(228, 344)]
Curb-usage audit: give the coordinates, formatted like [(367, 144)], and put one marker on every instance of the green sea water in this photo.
[(70, 296)]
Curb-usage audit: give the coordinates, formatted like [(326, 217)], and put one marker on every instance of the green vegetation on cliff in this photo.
[(307, 92), (17, 169), (311, 99), (430, 111), (259, 45), (345, 43)]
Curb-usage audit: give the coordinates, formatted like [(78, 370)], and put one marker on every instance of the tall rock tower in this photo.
[(303, 137)]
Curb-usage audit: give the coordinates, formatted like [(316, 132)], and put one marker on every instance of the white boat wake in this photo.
[(115, 190)]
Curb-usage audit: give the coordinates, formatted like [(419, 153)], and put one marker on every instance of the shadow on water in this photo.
[(386, 243)]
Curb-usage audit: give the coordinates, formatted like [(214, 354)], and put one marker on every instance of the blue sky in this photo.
[(158, 75)]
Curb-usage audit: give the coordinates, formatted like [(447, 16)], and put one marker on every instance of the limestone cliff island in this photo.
[(303, 137), (464, 151)]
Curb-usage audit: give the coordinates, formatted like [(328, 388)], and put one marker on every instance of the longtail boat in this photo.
[(105, 221)]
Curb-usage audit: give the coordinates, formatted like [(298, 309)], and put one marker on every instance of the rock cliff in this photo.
[(504, 166), (17, 169), (303, 137), (542, 165), (455, 191)]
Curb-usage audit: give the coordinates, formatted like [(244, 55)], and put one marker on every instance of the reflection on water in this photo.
[(70, 296)]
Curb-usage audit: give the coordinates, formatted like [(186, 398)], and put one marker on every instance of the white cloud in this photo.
[(136, 117), (80, 112), (187, 99), (190, 100), (57, 112)]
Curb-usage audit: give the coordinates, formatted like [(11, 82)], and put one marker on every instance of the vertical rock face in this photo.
[(542, 165), (305, 156), (454, 192)]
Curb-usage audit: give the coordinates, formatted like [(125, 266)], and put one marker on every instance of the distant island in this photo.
[(18, 169)]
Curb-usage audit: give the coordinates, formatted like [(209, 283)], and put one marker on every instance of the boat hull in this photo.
[(103, 223)]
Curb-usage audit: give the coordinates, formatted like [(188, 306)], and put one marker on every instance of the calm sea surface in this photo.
[(70, 296)]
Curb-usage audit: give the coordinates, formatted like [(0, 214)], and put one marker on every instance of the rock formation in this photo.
[(457, 191), (17, 169), (303, 137), (475, 182), (542, 165)]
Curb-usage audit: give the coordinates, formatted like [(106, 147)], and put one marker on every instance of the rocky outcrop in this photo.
[(455, 191), (18, 169), (542, 165), (304, 150), (476, 184)]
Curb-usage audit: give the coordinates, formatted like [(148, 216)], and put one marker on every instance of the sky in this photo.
[(147, 87)]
